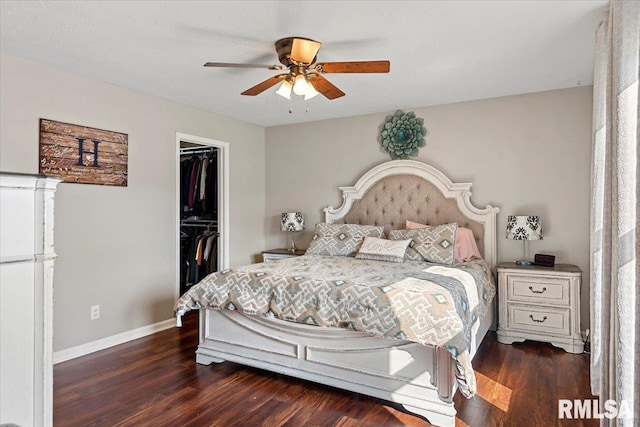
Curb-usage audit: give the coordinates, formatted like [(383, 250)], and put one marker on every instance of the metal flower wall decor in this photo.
[(402, 135)]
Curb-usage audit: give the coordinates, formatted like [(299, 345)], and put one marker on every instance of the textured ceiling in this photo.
[(440, 51)]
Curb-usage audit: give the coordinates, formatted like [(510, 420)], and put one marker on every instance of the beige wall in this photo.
[(117, 246), (527, 154)]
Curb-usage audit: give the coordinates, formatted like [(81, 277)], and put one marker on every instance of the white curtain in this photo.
[(615, 208)]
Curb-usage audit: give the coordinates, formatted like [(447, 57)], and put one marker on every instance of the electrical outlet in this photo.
[(95, 312)]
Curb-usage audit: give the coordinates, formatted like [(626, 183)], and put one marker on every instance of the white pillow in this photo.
[(382, 249)]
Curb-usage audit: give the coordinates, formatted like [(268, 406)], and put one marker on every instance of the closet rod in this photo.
[(192, 223), (197, 225), (197, 150)]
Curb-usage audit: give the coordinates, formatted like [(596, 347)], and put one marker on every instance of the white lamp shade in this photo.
[(311, 92), (292, 221), (285, 89), (524, 227), (300, 85)]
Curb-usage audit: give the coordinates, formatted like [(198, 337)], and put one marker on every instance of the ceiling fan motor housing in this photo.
[(285, 46)]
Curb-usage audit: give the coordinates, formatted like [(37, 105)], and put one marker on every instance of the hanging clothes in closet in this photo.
[(198, 178), (199, 213), (198, 256)]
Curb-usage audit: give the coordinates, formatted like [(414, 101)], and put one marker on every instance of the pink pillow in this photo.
[(410, 225), (466, 248)]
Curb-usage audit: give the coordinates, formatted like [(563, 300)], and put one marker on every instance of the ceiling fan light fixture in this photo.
[(300, 85), (285, 89), (311, 92)]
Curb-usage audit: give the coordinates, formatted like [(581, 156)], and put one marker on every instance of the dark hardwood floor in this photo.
[(154, 381)]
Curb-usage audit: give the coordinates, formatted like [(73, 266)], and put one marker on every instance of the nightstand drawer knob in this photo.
[(537, 320), (537, 292)]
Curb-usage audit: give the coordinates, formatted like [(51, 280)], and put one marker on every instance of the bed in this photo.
[(375, 360)]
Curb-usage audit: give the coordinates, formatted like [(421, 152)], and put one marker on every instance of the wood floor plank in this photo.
[(154, 381)]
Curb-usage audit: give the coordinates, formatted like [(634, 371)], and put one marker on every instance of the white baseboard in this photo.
[(101, 344)]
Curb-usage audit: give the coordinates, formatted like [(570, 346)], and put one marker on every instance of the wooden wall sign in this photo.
[(82, 154)]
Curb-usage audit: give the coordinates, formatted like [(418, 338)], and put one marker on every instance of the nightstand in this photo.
[(541, 304), (276, 254)]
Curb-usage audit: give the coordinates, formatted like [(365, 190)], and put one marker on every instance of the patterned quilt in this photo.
[(417, 301)]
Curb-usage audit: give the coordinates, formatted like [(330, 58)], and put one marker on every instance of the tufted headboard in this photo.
[(400, 190)]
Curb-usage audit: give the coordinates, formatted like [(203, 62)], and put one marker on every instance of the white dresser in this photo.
[(26, 299), (540, 303)]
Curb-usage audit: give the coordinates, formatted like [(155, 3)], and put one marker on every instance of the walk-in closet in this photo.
[(199, 208)]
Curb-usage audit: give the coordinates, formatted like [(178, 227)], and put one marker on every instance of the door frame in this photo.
[(223, 199)]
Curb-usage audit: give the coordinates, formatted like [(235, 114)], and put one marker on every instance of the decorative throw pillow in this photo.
[(340, 239), (466, 246), (410, 254), (410, 225), (383, 249), (433, 244)]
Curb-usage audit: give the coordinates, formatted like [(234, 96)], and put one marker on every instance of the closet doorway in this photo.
[(202, 214)]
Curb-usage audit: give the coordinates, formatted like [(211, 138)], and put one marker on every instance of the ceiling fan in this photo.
[(298, 55)]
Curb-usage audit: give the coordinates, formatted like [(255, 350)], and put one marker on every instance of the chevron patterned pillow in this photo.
[(432, 243), (340, 239)]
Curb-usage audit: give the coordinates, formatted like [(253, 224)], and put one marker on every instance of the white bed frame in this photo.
[(418, 377)]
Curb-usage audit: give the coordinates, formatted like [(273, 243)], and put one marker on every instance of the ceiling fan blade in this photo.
[(229, 64), (304, 50), (353, 67), (325, 87), (261, 87)]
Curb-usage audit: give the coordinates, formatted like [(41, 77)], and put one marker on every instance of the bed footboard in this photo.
[(418, 377)]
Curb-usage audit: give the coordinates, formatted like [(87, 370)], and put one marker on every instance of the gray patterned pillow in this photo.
[(383, 249), (340, 239), (432, 243)]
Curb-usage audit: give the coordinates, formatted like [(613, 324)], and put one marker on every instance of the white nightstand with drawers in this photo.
[(276, 254), (541, 304)]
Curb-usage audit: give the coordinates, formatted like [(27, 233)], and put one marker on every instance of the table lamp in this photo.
[(292, 221), (524, 227)]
